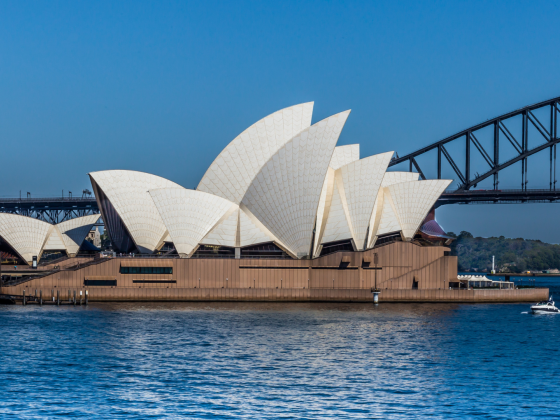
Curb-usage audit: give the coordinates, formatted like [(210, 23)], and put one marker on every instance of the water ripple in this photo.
[(278, 360)]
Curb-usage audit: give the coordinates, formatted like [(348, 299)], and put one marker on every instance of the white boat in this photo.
[(545, 307)]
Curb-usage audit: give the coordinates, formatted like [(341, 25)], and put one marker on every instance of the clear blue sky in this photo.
[(162, 87)]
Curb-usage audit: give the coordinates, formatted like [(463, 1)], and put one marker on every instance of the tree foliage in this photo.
[(511, 255)]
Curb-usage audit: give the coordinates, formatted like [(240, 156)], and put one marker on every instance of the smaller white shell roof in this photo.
[(128, 193), (389, 221), (361, 181), (384, 218), (24, 234), (189, 215), (343, 155), (224, 233), (391, 178), (413, 200), (336, 226), (74, 231), (54, 241)]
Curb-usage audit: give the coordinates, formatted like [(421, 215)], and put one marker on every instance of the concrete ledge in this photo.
[(107, 294)]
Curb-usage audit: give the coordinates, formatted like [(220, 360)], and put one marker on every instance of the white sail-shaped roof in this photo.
[(391, 178), (54, 241), (128, 193), (383, 218), (236, 166), (413, 200), (24, 234), (325, 202), (252, 232), (343, 155), (285, 194), (238, 230), (361, 181), (337, 227), (189, 215), (74, 231), (224, 233), (388, 221)]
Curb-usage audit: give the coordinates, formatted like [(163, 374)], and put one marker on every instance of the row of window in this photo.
[(146, 270)]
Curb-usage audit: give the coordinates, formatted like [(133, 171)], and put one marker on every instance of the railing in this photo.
[(50, 199), (510, 190)]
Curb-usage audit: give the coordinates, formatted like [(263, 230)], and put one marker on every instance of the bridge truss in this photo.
[(50, 210), (547, 131)]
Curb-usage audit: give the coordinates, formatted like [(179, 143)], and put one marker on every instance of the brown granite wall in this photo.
[(343, 276)]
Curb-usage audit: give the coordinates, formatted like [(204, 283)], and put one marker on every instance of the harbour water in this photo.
[(280, 360)]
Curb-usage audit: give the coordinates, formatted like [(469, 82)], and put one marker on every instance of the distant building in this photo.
[(94, 237)]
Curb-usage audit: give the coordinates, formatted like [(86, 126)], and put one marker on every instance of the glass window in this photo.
[(146, 270)]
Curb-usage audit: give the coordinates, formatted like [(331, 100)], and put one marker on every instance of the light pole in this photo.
[(375, 290)]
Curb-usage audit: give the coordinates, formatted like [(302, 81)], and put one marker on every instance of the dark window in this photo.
[(337, 246), (214, 251), (100, 282), (386, 239), (146, 270), (268, 250), (154, 281)]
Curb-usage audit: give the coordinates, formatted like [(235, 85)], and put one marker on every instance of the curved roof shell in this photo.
[(343, 155), (413, 200), (224, 233), (128, 193), (284, 196), (236, 166), (384, 218), (391, 178), (388, 220), (74, 231), (336, 225), (54, 241), (25, 235), (189, 215), (361, 181)]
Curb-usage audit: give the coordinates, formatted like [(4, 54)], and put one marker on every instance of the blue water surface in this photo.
[(279, 360)]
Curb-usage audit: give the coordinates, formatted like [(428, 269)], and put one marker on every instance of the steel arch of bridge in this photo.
[(501, 132)]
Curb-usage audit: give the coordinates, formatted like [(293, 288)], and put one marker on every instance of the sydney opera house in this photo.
[(281, 213)]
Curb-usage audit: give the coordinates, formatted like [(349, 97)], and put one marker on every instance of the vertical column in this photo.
[(524, 146), (439, 161), (496, 152), (468, 159)]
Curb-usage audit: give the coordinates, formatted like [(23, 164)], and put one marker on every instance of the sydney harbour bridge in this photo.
[(502, 144)]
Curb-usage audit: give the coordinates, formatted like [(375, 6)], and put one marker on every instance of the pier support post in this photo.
[(86, 297), (41, 297), (58, 298), (74, 298), (24, 297), (80, 298)]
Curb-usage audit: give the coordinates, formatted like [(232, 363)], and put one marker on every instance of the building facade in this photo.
[(281, 213)]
